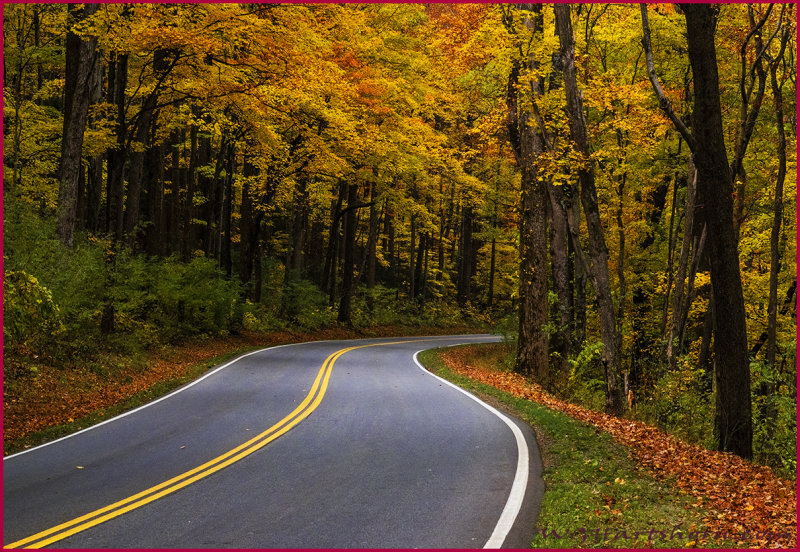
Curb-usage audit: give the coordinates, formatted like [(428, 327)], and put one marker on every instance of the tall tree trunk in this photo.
[(527, 145), (371, 250), (214, 204), (80, 55), (732, 418), (465, 255), (178, 178), (562, 339), (249, 170), (492, 269), (144, 128), (136, 177), (94, 173), (580, 274), (419, 275), (331, 257), (299, 226), (188, 210), (598, 252), (349, 255), (411, 288), (227, 206), (258, 271), (670, 255), (115, 193), (678, 297), (154, 213)]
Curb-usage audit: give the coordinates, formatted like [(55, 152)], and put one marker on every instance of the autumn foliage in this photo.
[(741, 498)]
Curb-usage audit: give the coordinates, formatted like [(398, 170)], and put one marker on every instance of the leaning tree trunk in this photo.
[(683, 263), (597, 246), (777, 211)]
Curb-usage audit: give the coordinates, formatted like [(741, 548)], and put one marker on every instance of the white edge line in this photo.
[(151, 403), (180, 389), (517, 494)]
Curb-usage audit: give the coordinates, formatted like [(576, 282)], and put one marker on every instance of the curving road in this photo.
[(346, 444)]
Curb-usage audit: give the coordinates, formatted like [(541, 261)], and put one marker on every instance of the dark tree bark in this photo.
[(172, 232), (419, 270), (527, 145), (213, 206), (154, 206), (678, 297), (188, 210), (258, 271), (349, 255), (80, 56), (561, 342), (115, 207), (227, 206), (492, 268), (249, 170), (411, 289), (331, 257), (732, 419), (94, 172), (670, 255), (144, 129), (465, 255), (298, 228), (598, 253)]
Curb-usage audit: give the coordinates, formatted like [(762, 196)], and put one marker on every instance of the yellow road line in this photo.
[(303, 410)]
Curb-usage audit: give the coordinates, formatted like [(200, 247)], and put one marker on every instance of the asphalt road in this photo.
[(290, 447)]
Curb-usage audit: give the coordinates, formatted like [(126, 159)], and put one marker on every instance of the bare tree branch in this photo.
[(663, 101)]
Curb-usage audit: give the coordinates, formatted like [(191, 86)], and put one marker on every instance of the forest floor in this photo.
[(50, 402), (740, 503)]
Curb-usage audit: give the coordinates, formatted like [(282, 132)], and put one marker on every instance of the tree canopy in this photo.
[(173, 169)]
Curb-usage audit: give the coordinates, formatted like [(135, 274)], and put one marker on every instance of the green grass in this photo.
[(154, 392), (596, 496)]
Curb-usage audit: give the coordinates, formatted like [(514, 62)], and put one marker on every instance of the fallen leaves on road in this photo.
[(742, 499)]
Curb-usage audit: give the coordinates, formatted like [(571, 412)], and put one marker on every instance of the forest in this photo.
[(611, 186)]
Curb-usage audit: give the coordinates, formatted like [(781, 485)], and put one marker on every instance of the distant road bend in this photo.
[(335, 444)]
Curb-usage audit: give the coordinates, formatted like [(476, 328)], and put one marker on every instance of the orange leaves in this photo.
[(744, 500)]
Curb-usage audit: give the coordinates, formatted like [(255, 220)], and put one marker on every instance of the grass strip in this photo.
[(596, 495)]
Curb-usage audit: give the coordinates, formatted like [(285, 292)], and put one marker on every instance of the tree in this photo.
[(528, 145), (598, 253), (733, 411), (79, 67)]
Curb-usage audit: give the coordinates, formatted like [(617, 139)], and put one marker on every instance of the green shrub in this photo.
[(586, 381), (774, 418), (29, 313), (306, 306), (678, 404)]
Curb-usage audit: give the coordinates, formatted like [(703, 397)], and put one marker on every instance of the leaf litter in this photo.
[(743, 500)]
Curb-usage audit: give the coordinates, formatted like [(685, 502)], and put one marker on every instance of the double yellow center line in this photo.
[(185, 479)]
